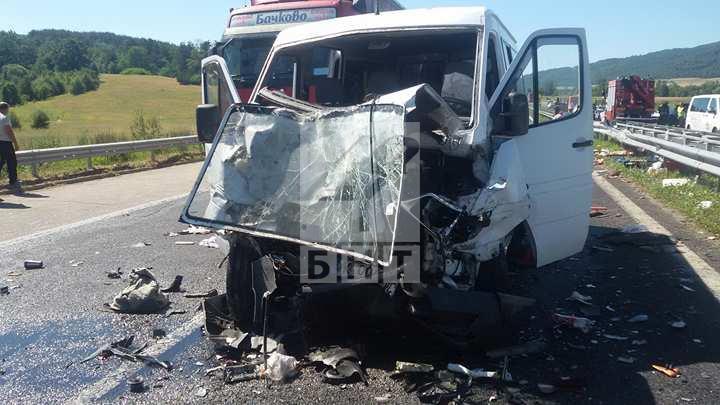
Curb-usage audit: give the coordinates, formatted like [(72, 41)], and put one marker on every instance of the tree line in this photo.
[(47, 63)]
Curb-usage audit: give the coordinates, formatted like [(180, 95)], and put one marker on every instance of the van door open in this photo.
[(555, 150), (218, 95)]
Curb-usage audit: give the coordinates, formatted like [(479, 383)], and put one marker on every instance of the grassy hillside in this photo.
[(107, 114), (701, 62)]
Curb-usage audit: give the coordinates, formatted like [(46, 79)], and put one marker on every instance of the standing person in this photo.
[(8, 146), (681, 110)]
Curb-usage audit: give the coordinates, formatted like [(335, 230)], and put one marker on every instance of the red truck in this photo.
[(630, 98)]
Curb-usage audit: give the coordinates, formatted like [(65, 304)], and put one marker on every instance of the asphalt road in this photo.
[(55, 318)]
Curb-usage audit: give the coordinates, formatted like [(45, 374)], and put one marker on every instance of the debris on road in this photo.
[(280, 368), (201, 392), (583, 299), (211, 242), (615, 337), (115, 275), (76, 263), (598, 212), (125, 350), (475, 373), (158, 333), (406, 367), (211, 293), (675, 182), (639, 318), (34, 264), (343, 363), (4, 290), (626, 360), (547, 389), (142, 244), (175, 287), (678, 325), (669, 371), (583, 324), (136, 384), (184, 243), (143, 296)]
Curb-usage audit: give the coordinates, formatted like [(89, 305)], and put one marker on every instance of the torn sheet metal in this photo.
[(330, 179)]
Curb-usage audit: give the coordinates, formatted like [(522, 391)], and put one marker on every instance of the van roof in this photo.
[(391, 20), (706, 95)]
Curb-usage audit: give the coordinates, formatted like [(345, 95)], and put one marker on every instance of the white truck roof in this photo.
[(391, 20)]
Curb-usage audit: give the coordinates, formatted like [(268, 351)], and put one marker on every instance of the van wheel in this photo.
[(238, 284), (715, 130)]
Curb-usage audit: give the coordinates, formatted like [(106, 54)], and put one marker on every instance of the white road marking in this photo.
[(707, 274), (6, 244), (109, 383)]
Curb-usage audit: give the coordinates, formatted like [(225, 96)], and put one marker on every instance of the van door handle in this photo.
[(583, 144)]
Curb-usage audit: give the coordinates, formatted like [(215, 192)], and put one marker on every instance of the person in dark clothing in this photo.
[(8, 146)]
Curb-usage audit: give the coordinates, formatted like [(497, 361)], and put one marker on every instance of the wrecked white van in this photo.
[(412, 153)]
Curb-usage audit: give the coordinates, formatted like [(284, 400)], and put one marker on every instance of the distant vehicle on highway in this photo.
[(630, 98), (409, 150), (703, 114), (251, 31)]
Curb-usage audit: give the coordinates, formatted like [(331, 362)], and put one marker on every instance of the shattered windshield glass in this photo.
[(330, 178)]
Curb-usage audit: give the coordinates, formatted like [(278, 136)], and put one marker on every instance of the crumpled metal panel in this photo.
[(330, 179)]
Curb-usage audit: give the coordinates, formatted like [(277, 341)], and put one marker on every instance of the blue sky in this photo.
[(616, 28)]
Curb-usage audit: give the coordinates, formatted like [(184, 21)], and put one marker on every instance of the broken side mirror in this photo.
[(208, 122), (516, 114)]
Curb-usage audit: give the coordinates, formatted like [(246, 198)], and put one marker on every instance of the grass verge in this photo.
[(685, 199)]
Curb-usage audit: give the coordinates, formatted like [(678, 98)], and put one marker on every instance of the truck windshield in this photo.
[(349, 70), (245, 59)]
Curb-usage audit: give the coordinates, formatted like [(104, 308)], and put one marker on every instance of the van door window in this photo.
[(492, 74), (550, 77), (713, 106), (700, 104), (216, 88)]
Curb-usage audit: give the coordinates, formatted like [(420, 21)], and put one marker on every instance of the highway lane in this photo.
[(55, 318)]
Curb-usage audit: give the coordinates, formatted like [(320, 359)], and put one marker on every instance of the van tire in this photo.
[(238, 284), (714, 130)]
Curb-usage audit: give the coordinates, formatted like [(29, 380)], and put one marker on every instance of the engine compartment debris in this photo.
[(142, 296)]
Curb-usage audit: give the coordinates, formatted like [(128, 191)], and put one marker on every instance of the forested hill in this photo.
[(46, 63), (700, 61)]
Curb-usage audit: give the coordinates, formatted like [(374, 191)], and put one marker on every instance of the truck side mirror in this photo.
[(517, 114), (208, 122)]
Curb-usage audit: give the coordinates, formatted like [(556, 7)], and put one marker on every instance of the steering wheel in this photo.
[(461, 107)]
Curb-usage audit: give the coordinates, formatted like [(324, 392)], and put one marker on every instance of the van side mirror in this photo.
[(516, 114), (208, 122)]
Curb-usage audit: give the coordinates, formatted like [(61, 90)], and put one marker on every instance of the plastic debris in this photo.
[(475, 373), (704, 205), (142, 244), (383, 399), (211, 293), (143, 296), (34, 264), (639, 318), (124, 349), (184, 243), (201, 392), (584, 324), (405, 367), (639, 342), (678, 325), (598, 211), (76, 263), (669, 371), (280, 367), (626, 360), (675, 182), (175, 286), (136, 384), (4, 290), (615, 337), (583, 299), (195, 230), (211, 242), (115, 275), (686, 288), (547, 388)]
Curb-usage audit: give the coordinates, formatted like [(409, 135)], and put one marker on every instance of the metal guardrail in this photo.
[(38, 156), (694, 149)]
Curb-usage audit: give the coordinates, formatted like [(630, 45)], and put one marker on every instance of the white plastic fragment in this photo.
[(184, 243), (280, 367), (547, 388), (584, 324), (626, 360), (210, 242), (615, 337), (678, 325), (583, 299), (639, 318), (675, 182), (476, 373)]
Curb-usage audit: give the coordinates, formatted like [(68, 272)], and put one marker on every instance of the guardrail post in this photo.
[(89, 164), (34, 169)]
